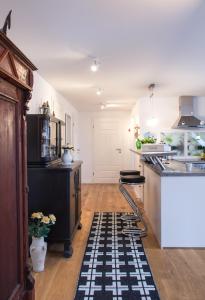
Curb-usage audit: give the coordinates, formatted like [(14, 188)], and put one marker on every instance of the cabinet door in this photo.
[(72, 205), (11, 206), (77, 180)]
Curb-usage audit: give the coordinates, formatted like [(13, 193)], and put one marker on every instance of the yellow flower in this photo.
[(37, 215), (52, 218), (45, 220)]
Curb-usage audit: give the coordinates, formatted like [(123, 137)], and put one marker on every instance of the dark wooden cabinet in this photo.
[(16, 81), (43, 139), (56, 189)]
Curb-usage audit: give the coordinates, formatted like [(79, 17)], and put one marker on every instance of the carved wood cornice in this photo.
[(10, 45), (14, 65), (16, 68)]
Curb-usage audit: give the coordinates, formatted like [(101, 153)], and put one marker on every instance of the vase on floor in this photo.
[(38, 251), (67, 157)]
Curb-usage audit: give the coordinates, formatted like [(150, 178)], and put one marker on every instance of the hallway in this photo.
[(178, 273)]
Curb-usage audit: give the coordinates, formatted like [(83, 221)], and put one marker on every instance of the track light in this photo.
[(95, 66)]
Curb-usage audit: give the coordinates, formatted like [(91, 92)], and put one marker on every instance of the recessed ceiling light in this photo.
[(102, 106), (95, 66)]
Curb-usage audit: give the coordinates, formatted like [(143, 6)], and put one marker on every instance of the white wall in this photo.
[(42, 92), (86, 139)]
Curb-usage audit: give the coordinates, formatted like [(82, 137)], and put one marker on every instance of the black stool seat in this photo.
[(132, 179), (129, 172)]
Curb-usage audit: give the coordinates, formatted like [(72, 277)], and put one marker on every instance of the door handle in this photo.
[(119, 150)]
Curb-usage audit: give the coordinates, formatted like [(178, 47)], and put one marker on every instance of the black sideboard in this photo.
[(56, 189)]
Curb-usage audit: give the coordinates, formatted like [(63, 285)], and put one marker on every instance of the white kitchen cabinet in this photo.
[(139, 189), (174, 206)]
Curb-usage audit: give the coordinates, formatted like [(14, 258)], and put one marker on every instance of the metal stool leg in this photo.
[(137, 216), (130, 217)]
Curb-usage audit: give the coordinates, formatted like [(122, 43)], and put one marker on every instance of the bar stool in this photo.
[(136, 216), (129, 172), (130, 216)]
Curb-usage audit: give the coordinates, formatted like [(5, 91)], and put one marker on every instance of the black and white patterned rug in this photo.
[(115, 266)]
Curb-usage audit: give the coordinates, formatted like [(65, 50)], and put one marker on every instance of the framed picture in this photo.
[(68, 129)]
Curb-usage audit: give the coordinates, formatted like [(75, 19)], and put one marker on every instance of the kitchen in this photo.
[(172, 194)]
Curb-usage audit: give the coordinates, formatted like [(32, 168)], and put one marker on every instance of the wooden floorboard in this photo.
[(178, 273)]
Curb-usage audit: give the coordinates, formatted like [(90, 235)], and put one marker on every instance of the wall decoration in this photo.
[(68, 129)]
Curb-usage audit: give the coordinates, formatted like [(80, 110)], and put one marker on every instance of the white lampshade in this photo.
[(99, 92), (152, 122), (94, 67)]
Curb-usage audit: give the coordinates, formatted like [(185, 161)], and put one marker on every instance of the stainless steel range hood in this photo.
[(186, 114)]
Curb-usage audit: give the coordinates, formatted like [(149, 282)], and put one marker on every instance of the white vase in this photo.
[(67, 157), (38, 251)]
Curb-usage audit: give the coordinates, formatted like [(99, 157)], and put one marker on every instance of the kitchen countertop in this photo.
[(158, 153), (176, 168)]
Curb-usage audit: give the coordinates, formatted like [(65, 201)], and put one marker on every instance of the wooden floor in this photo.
[(179, 273)]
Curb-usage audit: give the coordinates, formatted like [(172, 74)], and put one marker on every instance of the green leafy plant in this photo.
[(145, 140), (39, 225), (148, 140)]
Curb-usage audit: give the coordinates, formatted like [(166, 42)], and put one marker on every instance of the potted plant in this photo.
[(145, 140), (39, 228), (67, 157)]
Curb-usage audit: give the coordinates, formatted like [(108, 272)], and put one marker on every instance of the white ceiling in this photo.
[(136, 41)]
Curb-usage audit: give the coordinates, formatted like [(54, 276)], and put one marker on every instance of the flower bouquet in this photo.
[(39, 228)]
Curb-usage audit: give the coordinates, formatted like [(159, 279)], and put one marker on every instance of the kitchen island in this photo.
[(174, 202)]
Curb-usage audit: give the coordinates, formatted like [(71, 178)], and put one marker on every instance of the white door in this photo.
[(108, 152)]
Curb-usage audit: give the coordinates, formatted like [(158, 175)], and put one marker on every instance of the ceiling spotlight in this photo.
[(102, 106), (95, 66), (99, 92)]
